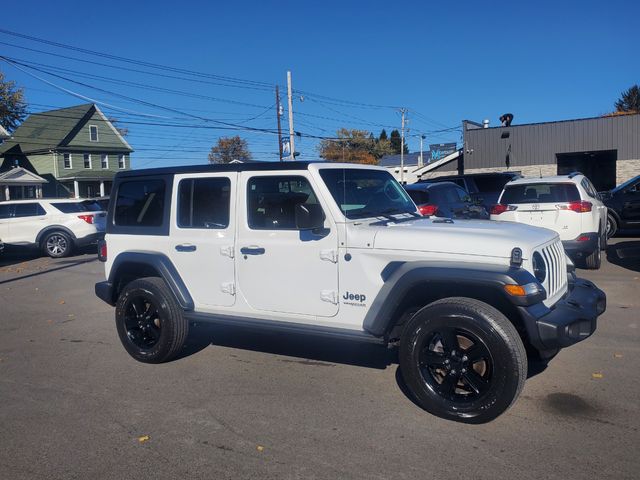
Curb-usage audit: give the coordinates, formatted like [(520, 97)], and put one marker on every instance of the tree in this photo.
[(383, 135), (13, 108), (351, 146), (230, 148), (396, 143), (629, 101), (123, 131)]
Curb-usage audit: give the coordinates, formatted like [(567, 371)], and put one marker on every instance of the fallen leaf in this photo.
[(597, 375), (71, 315), (260, 448), (617, 355), (61, 302), (49, 322), (143, 438)]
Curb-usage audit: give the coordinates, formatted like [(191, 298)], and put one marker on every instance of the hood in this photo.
[(471, 237)]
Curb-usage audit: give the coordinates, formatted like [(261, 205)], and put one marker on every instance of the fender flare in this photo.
[(162, 265), (52, 228), (400, 277)]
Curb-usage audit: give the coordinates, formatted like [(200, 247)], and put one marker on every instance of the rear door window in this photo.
[(540, 193), (28, 210), (140, 203), (204, 203)]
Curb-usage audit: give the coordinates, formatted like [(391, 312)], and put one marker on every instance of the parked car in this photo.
[(568, 204), (445, 199), (484, 188), (340, 250), (56, 226), (103, 202), (623, 203)]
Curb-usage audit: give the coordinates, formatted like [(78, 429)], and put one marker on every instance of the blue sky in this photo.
[(351, 61)]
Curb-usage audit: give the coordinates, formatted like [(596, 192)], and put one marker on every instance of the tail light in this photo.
[(102, 250), (500, 208), (579, 207), (87, 218), (427, 210)]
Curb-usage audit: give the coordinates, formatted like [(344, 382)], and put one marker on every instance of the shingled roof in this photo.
[(45, 131)]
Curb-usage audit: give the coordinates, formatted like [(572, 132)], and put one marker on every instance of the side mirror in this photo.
[(309, 216)]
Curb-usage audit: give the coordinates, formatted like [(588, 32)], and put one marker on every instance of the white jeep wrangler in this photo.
[(340, 250)]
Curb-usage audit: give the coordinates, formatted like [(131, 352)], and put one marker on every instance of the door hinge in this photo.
[(329, 255), (227, 251), (330, 296), (228, 287)]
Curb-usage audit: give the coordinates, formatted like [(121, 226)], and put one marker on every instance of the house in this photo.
[(3, 134), (18, 183), (76, 150)]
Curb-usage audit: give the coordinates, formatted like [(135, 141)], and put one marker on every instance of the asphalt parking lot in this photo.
[(73, 404)]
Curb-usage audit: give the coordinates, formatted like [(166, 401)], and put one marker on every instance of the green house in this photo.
[(77, 150)]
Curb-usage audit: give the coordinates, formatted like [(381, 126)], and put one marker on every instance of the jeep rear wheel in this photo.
[(150, 323), (463, 360)]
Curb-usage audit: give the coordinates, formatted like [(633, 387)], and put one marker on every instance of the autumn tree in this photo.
[(629, 100), (230, 148), (13, 108), (351, 146)]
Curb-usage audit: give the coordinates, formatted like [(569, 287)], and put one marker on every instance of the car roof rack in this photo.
[(574, 174)]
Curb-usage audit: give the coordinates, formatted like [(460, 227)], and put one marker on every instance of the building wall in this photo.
[(43, 163), (77, 162), (107, 137), (538, 144)]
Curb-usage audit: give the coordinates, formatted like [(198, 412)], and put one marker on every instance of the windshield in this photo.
[(364, 193), (626, 184)]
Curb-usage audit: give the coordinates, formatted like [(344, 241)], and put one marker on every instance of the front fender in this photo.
[(401, 277)]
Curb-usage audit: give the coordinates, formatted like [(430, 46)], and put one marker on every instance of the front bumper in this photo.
[(569, 321), (579, 249)]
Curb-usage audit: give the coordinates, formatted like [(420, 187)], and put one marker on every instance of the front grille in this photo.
[(556, 263)]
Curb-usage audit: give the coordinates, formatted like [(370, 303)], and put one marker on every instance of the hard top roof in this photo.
[(572, 178)]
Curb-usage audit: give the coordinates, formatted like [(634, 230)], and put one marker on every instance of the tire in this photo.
[(594, 260), (57, 244), (150, 323), (612, 226), (437, 352)]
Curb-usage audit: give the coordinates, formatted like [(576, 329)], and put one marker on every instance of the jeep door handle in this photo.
[(252, 250), (185, 247)]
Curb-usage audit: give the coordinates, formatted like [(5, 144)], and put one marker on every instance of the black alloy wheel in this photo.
[(462, 360), (612, 226), (150, 323), (456, 364), (142, 321)]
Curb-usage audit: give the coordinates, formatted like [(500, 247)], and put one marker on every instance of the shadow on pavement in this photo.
[(625, 255), (15, 255), (63, 265), (306, 348)]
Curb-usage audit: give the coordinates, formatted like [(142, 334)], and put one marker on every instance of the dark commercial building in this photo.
[(606, 149)]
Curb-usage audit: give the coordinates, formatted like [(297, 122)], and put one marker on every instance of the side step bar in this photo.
[(283, 327)]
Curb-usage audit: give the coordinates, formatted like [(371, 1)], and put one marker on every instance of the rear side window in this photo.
[(70, 207), (140, 203), (491, 183), (540, 193), (204, 203), (589, 188), (418, 196), (28, 210)]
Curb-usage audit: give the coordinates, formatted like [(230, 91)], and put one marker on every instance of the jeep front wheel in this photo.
[(150, 323), (463, 360)]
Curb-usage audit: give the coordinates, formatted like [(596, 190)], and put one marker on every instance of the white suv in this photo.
[(568, 204), (54, 225), (340, 250)]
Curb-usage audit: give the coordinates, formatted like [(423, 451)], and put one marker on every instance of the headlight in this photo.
[(539, 267)]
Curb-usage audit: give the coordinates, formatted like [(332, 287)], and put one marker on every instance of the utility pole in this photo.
[(278, 113), (402, 111), (421, 156), (291, 132)]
